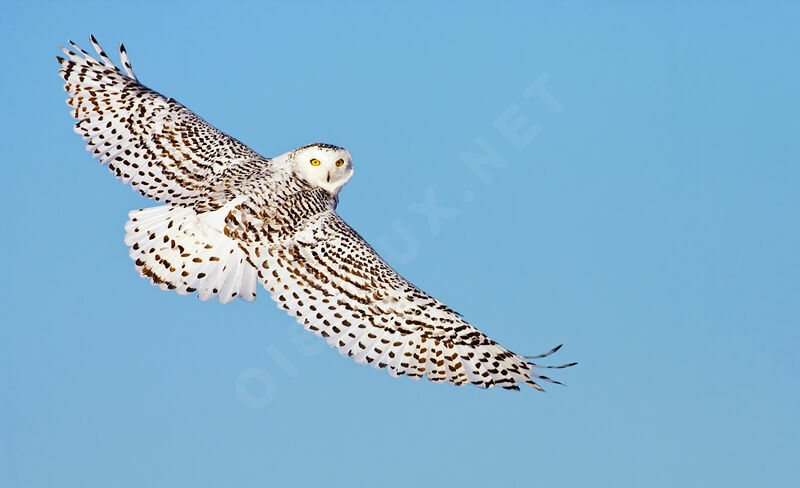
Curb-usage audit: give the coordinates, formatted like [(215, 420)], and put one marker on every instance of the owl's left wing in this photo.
[(338, 287)]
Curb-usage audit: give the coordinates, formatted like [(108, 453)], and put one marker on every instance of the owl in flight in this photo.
[(232, 219)]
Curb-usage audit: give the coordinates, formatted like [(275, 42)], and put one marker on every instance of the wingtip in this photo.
[(551, 351)]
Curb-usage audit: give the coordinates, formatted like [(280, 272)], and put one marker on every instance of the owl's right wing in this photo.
[(155, 144), (329, 278)]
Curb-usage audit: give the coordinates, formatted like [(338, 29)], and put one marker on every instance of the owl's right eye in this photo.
[(314, 162)]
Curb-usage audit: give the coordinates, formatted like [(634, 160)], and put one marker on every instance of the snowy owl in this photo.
[(232, 219)]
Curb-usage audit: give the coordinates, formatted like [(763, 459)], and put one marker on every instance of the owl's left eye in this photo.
[(340, 162), (314, 162)]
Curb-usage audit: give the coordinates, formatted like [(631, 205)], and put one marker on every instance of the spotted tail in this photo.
[(181, 250)]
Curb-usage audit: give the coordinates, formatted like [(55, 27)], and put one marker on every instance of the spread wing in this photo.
[(322, 272), (153, 143)]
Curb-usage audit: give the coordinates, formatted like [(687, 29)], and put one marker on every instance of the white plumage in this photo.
[(184, 251), (232, 219)]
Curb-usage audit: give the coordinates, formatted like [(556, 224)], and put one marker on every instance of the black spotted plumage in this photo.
[(233, 218)]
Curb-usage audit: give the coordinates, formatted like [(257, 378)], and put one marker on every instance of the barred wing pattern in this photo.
[(322, 272), (153, 143), (233, 218)]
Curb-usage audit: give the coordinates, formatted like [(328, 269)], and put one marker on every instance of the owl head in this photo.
[(323, 165)]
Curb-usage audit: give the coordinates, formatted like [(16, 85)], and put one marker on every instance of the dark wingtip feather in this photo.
[(551, 351)]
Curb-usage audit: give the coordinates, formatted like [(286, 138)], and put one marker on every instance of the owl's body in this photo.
[(232, 219)]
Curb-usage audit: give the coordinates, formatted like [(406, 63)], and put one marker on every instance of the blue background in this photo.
[(651, 225)]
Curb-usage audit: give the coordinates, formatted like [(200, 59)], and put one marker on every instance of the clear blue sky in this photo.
[(646, 215)]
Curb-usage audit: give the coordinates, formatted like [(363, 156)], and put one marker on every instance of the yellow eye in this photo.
[(315, 162), (340, 162)]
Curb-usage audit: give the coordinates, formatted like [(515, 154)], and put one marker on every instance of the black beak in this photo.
[(329, 177)]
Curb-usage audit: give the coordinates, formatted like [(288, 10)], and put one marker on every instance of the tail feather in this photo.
[(183, 251), (234, 276)]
